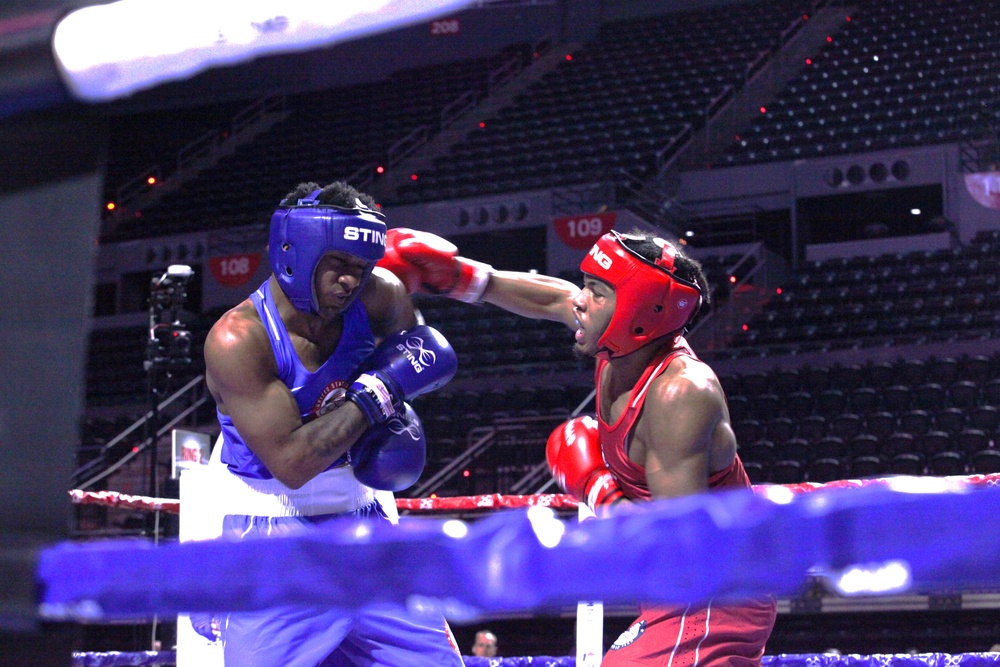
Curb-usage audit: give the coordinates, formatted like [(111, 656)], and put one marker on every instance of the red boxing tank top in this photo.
[(631, 476)]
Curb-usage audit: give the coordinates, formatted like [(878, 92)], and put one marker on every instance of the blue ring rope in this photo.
[(149, 658), (717, 545)]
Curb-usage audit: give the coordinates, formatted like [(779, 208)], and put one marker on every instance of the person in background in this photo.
[(485, 645)]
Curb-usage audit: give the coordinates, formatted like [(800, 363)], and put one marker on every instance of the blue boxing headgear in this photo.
[(301, 234)]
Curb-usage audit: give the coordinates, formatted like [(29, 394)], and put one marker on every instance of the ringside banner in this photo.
[(582, 231)]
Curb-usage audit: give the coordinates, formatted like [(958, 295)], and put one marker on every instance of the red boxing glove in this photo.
[(427, 263), (574, 455), (410, 274)]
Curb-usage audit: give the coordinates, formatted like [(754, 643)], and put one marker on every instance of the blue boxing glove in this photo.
[(390, 456), (405, 365), (206, 625)]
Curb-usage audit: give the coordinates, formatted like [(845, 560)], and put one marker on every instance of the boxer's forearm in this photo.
[(533, 295)]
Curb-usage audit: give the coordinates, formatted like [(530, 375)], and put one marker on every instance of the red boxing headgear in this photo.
[(650, 301)]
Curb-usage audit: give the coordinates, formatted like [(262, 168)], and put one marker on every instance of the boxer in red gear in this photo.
[(663, 424), (709, 634)]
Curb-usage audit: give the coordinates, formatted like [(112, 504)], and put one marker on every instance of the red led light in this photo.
[(809, 61), (413, 177), (482, 124), (569, 56), (746, 327), (380, 169), (465, 473), (778, 290), (829, 39), (763, 109)]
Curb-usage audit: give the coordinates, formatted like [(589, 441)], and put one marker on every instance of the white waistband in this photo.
[(332, 492)]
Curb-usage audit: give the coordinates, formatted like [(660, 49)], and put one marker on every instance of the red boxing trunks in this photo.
[(708, 636)]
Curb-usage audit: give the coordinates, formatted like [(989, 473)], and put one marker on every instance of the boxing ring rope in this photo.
[(150, 658), (884, 535), (494, 501), (125, 501), (124, 658)]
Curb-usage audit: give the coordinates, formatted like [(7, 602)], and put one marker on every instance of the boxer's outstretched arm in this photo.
[(429, 264), (533, 295)]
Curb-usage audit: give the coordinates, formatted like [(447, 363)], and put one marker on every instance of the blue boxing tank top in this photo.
[(315, 393)]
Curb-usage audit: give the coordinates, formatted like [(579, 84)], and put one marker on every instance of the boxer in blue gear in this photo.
[(278, 366)]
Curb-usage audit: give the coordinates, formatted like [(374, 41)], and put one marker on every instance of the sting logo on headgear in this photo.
[(602, 260), (303, 233), (650, 300)]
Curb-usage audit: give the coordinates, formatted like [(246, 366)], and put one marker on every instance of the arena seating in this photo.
[(329, 135), (114, 366), (899, 74), (885, 300), (618, 104), (933, 415), (139, 141), (872, 429), (615, 104)]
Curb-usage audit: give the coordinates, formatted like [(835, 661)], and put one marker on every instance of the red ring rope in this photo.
[(490, 501), (115, 499)]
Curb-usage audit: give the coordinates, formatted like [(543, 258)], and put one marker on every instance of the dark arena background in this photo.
[(835, 166)]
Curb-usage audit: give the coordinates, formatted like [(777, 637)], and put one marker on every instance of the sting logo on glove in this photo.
[(404, 365), (398, 427), (414, 350)]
